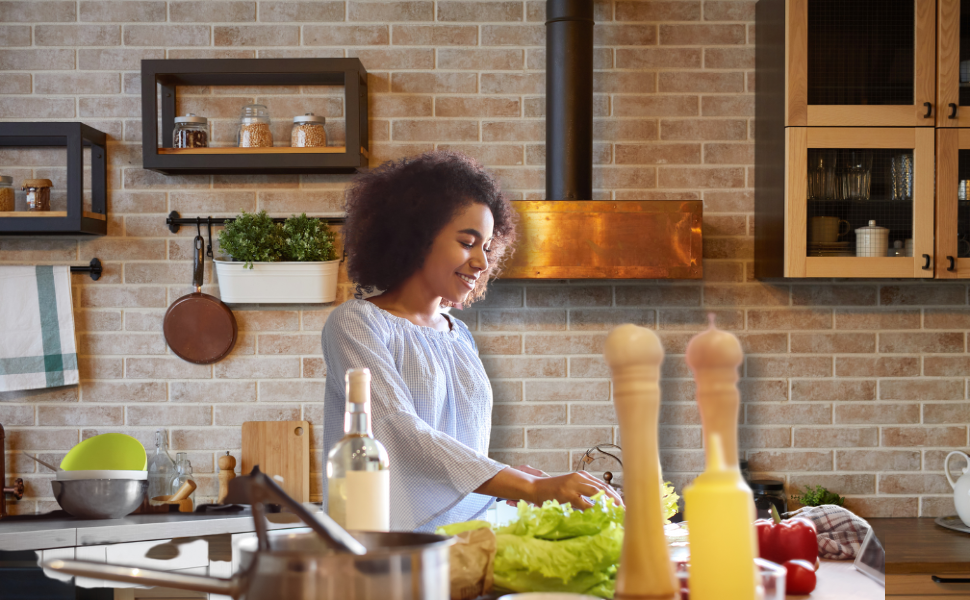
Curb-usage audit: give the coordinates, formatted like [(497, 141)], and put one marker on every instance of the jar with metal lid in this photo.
[(308, 131), (6, 194), (191, 131), (254, 129), (38, 194), (768, 492)]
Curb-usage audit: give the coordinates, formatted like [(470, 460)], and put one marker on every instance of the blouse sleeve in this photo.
[(434, 470)]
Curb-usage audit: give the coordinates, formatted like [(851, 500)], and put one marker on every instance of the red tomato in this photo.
[(801, 577)]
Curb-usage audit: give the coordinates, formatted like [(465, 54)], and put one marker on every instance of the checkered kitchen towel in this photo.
[(37, 347), (840, 531)]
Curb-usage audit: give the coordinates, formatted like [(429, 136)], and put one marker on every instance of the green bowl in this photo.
[(112, 451)]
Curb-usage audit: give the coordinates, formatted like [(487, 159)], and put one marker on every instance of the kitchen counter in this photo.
[(58, 530), (922, 546)]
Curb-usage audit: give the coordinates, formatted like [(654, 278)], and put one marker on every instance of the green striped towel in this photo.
[(37, 347)]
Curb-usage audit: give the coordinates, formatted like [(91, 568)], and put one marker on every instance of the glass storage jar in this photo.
[(6, 193), (254, 129), (38, 194), (191, 131), (768, 492), (308, 131)]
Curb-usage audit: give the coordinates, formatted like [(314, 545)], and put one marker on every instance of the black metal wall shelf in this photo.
[(75, 220), (169, 74)]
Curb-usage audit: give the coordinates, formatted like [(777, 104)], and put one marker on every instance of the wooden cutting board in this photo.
[(279, 448)]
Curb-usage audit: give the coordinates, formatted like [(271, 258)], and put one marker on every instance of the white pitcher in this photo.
[(961, 487)]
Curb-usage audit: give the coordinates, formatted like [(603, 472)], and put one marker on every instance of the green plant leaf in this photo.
[(307, 240), (252, 237)]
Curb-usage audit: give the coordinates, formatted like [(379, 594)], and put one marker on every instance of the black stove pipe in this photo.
[(569, 99)]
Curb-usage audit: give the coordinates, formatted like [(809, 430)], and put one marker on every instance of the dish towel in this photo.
[(37, 347), (840, 532)]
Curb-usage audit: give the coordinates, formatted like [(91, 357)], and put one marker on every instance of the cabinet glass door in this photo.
[(953, 50), (863, 206), (953, 204), (862, 63)]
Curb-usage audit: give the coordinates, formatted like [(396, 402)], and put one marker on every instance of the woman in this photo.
[(429, 232)]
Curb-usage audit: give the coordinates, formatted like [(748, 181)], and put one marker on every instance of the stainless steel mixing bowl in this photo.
[(100, 498)]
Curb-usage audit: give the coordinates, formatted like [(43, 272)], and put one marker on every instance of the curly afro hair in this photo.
[(395, 212)]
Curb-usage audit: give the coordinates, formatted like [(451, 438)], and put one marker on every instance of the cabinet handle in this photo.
[(926, 257), (929, 110), (952, 266), (950, 579), (953, 111)]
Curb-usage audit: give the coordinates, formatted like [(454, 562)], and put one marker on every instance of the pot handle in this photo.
[(946, 466), (195, 583), (198, 263)]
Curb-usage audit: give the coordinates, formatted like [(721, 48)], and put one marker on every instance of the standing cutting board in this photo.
[(279, 448)]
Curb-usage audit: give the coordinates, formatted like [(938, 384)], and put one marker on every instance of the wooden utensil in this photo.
[(714, 357), (180, 497), (199, 328), (227, 472), (279, 448), (634, 355)]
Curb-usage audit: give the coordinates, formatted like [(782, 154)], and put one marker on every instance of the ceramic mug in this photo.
[(826, 230), (961, 487)]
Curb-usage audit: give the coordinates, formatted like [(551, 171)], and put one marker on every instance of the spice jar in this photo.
[(768, 492), (308, 131), (38, 194), (254, 127), (191, 131), (6, 193)]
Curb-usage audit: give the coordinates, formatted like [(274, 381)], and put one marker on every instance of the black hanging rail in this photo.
[(175, 220), (94, 268)]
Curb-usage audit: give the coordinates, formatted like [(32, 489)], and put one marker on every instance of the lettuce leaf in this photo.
[(456, 528)]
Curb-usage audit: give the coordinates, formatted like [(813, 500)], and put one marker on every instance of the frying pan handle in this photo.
[(198, 263), (195, 583)]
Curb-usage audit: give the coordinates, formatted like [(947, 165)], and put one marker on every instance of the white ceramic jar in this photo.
[(871, 240)]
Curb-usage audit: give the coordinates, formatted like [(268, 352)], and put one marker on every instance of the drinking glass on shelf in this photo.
[(901, 177), (822, 183), (856, 176)]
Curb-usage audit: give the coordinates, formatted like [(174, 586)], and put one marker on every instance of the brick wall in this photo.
[(857, 385)]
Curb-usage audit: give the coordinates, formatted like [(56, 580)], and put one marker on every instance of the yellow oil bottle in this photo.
[(720, 518)]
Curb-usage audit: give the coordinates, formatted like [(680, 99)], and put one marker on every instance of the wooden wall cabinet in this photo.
[(857, 62), (837, 79)]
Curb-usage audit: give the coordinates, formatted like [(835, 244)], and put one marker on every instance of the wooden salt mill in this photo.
[(227, 473), (634, 355), (718, 505), (714, 357)]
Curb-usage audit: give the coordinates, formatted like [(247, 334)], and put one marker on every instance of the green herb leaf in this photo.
[(307, 240)]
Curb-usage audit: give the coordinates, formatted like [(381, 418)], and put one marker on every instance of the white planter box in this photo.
[(277, 282)]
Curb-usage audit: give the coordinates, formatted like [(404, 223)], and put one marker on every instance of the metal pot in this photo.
[(321, 565)]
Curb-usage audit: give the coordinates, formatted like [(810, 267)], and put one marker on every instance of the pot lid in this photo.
[(309, 118), (871, 227), (766, 485), (38, 183), (6, 180), (190, 118)]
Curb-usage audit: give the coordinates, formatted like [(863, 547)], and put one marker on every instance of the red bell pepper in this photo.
[(780, 541)]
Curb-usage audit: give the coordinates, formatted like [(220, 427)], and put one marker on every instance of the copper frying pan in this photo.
[(198, 327)]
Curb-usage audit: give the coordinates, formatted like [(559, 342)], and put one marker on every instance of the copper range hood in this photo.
[(569, 235)]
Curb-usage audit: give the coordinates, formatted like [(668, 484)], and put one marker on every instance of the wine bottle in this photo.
[(358, 479)]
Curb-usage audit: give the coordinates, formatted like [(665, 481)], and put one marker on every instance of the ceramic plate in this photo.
[(953, 523)]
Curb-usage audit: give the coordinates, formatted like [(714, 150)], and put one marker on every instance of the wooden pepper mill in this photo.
[(634, 355), (227, 473)]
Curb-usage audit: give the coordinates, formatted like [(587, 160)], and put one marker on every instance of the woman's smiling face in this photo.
[(459, 254)]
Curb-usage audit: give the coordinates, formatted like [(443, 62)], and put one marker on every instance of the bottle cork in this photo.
[(358, 386)]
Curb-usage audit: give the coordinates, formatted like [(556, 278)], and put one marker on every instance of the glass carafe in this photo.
[(161, 470)]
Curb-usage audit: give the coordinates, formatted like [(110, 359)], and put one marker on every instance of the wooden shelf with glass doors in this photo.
[(858, 106)]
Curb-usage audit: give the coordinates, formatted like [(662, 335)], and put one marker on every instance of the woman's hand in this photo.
[(532, 485), (576, 488)]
